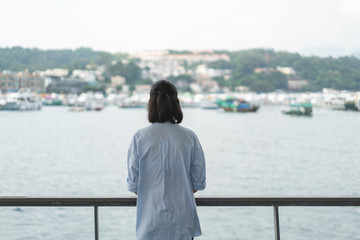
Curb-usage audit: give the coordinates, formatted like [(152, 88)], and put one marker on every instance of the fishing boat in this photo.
[(299, 109), (237, 105), (352, 106)]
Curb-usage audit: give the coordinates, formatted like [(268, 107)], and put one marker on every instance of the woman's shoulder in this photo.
[(142, 131), (186, 133), (186, 130), (155, 129)]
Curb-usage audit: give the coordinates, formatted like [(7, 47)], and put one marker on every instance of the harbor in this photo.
[(262, 154), (25, 99)]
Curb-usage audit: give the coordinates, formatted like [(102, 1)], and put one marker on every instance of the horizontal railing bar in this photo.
[(200, 201)]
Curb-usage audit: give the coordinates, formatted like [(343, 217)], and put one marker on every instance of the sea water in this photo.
[(55, 152)]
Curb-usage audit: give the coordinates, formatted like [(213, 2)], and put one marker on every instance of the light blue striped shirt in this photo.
[(165, 164)]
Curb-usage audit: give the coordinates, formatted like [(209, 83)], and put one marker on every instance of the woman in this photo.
[(166, 166)]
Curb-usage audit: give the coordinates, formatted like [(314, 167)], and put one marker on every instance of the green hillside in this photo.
[(337, 73)]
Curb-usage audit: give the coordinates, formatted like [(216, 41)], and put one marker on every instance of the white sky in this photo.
[(330, 26)]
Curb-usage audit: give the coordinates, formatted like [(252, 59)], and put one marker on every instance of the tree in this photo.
[(261, 86), (182, 77), (221, 64), (131, 71), (277, 80), (116, 69)]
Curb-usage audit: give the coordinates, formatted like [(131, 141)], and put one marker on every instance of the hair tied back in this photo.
[(164, 104)]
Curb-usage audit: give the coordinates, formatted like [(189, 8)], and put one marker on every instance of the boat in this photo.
[(82, 103), (134, 101), (97, 105), (98, 102), (189, 100), (2, 101), (237, 105), (209, 105), (23, 100), (77, 107), (337, 104), (132, 105), (352, 106), (299, 109), (52, 100)]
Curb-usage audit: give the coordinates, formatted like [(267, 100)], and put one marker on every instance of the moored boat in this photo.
[(23, 100), (82, 103), (352, 106), (2, 101), (299, 109), (97, 105), (78, 107), (134, 101), (209, 105), (237, 105), (132, 105), (52, 100)]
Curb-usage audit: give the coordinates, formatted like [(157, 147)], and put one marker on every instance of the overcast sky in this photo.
[(306, 26)]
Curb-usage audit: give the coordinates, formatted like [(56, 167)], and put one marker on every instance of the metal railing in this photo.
[(274, 202)]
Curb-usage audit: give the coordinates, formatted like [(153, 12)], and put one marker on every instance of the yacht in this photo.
[(22, 100)]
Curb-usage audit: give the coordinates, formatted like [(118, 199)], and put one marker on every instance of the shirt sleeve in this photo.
[(198, 168), (133, 167)]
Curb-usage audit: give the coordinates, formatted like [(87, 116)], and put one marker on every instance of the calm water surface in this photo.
[(54, 152)]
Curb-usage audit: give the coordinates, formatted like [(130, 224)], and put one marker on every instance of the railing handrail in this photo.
[(217, 201)]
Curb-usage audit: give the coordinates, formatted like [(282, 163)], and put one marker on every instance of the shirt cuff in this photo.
[(132, 186), (199, 185)]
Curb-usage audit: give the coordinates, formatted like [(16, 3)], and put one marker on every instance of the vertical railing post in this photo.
[(276, 223), (96, 222)]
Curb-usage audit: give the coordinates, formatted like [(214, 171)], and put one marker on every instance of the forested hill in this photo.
[(18, 58), (338, 73)]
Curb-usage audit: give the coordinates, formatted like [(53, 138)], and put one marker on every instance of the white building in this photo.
[(117, 81), (84, 75), (161, 64), (297, 85), (56, 72), (286, 70)]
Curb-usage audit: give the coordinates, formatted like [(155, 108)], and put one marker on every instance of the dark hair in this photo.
[(164, 104)]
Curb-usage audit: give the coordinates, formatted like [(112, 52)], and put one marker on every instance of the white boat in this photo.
[(2, 101), (88, 101), (134, 101), (22, 100), (77, 107), (98, 102), (82, 103), (337, 104), (209, 105)]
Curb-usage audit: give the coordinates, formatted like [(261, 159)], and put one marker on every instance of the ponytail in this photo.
[(164, 104)]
